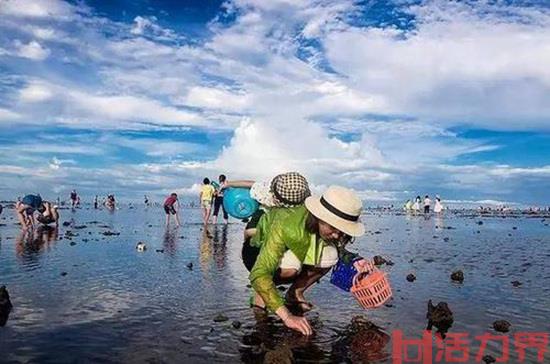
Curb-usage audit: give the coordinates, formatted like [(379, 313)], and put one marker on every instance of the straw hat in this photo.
[(340, 207)]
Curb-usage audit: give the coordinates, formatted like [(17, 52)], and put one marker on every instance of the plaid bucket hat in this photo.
[(285, 190), (290, 189)]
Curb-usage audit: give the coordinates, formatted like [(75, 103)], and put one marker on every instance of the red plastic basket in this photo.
[(371, 290)]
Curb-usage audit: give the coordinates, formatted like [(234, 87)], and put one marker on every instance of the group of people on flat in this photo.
[(293, 238), (415, 207)]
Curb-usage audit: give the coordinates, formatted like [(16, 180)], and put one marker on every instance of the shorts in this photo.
[(426, 209), (329, 258), (169, 209), (45, 219), (206, 204)]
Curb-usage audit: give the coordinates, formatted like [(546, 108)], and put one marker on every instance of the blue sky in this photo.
[(391, 98)]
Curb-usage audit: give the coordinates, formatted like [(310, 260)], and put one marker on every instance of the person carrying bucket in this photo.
[(299, 245)]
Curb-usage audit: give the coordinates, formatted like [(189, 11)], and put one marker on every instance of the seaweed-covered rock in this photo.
[(439, 316), (516, 283), (280, 355), (379, 260), (411, 277), (501, 326), (5, 305), (457, 276), (220, 318)]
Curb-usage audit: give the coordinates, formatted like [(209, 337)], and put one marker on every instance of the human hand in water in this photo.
[(362, 265), (294, 322)]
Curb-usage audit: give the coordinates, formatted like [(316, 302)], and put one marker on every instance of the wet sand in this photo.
[(85, 292)]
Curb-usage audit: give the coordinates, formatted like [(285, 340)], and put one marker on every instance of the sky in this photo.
[(390, 98)]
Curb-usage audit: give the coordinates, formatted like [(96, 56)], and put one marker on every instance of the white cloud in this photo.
[(37, 9), (35, 92), (8, 115), (32, 50)]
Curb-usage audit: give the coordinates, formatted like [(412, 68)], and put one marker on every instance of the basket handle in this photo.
[(359, 276)]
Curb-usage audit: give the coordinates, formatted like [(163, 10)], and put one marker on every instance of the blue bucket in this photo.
[(342, 275), (238, 203)]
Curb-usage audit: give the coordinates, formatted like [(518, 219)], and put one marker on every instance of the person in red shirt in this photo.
[(171, 207)]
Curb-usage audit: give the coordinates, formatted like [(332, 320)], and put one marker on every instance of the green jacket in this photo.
[(279, 230)]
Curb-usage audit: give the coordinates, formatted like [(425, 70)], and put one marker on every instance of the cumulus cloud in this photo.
[(32, 50), (304, 86)]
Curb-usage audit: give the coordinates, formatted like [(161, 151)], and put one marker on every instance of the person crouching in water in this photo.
[(32, 210), (171, 207), (300, 245)]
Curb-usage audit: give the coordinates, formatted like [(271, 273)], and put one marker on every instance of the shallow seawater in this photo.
[(115, 304)]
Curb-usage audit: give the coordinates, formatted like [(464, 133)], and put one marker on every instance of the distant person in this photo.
[(205, 197), (96, 202), (438, 207), (416, 205), (32, 210), (171, 207), (427, 203), (110, 203), (74, 198), (218, 200)]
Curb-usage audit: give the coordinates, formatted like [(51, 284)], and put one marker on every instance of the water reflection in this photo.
[(30, 243), (169, 241), (271, 342), (220, 245), (205, 250)]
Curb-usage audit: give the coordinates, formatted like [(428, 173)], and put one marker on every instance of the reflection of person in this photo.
[(32, 210), (218, 200), (171, 207), (300, 245), (30, 242), (205, 197)]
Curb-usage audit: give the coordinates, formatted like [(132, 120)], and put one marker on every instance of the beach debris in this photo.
[(190, 265), (160, 250), (514, 228), (445, 239), (236, 324), (480, 222), (110, 233), (66, 223), (280, 355), (501, 326), (141, 247), (439, 316), (488, 359), (411, 277), (5, 306), (220, 318), (63, 274), (72, 243), (379, 260), (516, 283), (457, 276)]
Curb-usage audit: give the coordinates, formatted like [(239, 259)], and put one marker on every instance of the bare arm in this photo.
[(239, 183)]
